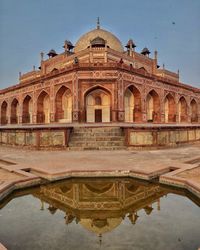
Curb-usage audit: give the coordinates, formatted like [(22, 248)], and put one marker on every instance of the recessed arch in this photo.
[(98, 104), (14, 119), (4, 113), (27, 109), (43, 108), (153, 106), (194, 110), (169, 108), (63, 104), (98, 86), (182, 110), (132, 104)]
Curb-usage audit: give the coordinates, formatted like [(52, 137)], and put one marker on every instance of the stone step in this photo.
[(96, 139), (97, 133), (95, 144), (97, 148), (105, 129)]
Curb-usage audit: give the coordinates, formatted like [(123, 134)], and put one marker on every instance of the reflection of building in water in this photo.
[(101, 205)]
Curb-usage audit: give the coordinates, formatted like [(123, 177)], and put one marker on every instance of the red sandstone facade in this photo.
[(99, 81)]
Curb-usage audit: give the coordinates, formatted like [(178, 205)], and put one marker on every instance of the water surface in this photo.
[(109, 213)]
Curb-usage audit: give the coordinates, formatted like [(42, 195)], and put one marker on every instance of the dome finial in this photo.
[(98, 23)]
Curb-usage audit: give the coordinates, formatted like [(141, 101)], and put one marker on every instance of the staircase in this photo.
[(104, 138)]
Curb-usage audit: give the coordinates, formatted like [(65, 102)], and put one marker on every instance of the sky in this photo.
[(27, 27)]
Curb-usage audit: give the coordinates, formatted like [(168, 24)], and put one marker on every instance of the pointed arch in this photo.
[(14, 111), (27, 109), (96, 87), (4, 113), (132, 104), (63, 104), (43, 108), (98, 104), (194, 110), (169, 108), (182, 110), (153, 106)]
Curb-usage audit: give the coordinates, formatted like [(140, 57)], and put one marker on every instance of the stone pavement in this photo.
[(94, 125), (175, 166)]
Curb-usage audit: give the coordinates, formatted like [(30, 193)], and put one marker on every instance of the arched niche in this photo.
[(43, 108), (153, 107), (169, 109), (194, 111), (14, 111), (132, 105), (63, 104), (182, 110), (98, 105), (27, 112), (4, 113)]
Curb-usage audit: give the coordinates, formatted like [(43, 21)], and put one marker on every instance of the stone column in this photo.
[(20, 110), (143, 105), (9, 112), (198, 112), (176, 103), (120, 97), (34, 114), (52, 103), (162, 107), (75, 109), (189, 113)]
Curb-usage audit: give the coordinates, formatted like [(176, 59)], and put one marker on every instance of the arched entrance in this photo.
[(182, 110), (170, 109), (43, 108), (14, 112), (64, 105), (27, 110), (153, 107), (132, 105), (194, 111), (98, 106), (4, 115)]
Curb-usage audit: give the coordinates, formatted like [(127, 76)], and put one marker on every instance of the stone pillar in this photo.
[(162, 117), (75, 109), (198, 118), (9, 112), (143, 106), (34, 114), (189, 114), (20, 111), (162, 107), (120, 98), (52, 103), (176, 103)]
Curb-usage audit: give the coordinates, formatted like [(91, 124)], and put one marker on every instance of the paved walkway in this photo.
[(23, 167), (110, 124)]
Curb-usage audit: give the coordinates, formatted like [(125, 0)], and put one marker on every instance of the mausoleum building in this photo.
[(99, 80)]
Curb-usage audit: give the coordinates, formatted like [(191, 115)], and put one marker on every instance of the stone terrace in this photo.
[(178, 166)]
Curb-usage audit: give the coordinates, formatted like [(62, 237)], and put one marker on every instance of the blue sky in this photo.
[(28, 27)]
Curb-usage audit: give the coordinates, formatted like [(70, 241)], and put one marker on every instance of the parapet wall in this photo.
[(135, 136), (161, 136), (35, 138)]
